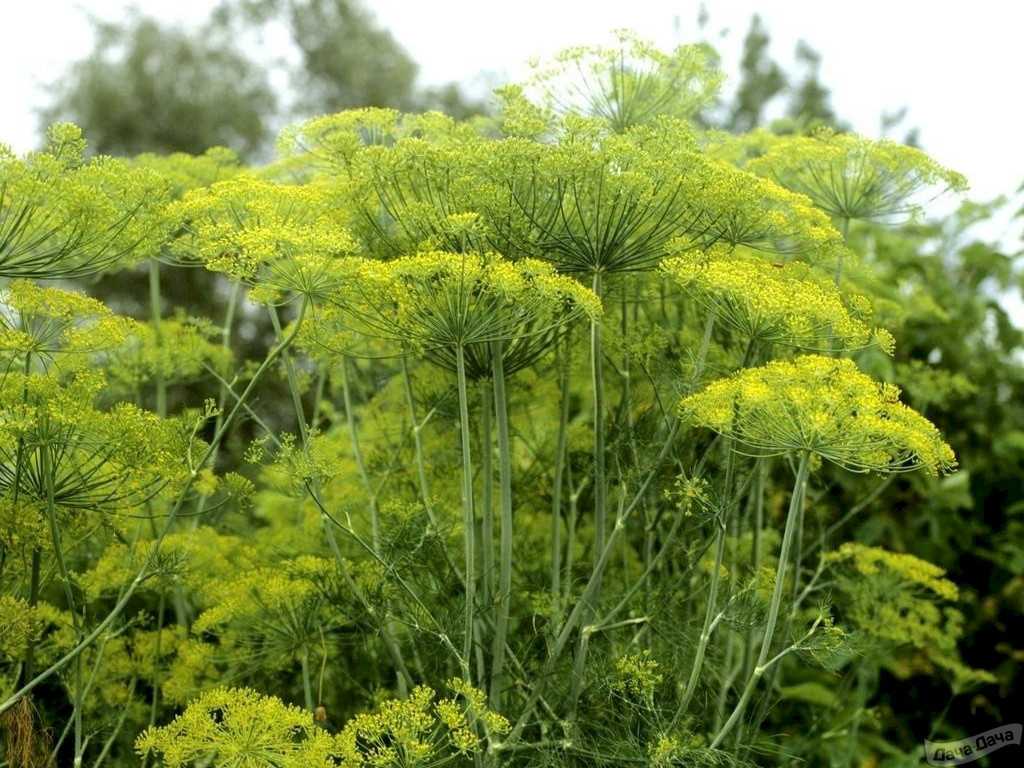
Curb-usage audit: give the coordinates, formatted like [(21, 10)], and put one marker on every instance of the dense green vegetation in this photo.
[(586, 435)]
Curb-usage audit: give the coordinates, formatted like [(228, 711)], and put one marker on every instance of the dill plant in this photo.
[(576, 398)]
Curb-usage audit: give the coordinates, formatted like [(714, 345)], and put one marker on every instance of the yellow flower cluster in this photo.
[(183, 172), (51, 324), (627, 83), (185, 348), (103, 459), (783, 303), (871, 561), (744, 209), (239, 728), (593, 202), (335, 140), (263, 596), (284, 235), (636, 676), (21, 625), (823, 406), (898, 599), (852, 177), (189, 560), (419, 731), (438, 301), (64, 216)]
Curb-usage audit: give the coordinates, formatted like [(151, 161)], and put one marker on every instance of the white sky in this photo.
[(956, 65)]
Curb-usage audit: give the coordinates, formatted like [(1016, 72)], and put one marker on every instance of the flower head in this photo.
[(438, 302), (826, 407), (627, 83), (62, 216), (852, 177), (784, 303)]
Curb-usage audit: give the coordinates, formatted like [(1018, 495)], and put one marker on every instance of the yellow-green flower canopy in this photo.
[(437, 302), (786, 303), (62, 216), (852, 177), (822, 406)]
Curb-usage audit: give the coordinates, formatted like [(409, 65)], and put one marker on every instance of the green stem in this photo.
[(844, 229), (172, 515), (795, 503), (716, 575), (558, 482), (600, 490), (417, 429), (47, 470), (33, 600), (504, 601), (307, 685), (222, 397), (357, 452), (403, 676), (468, 515), (586, 601), (487, 403), (761, 471), (105, 752), (156, 313)]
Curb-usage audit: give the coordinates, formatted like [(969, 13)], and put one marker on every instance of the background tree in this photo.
[(148, 86), (153, 87), (761, 80)]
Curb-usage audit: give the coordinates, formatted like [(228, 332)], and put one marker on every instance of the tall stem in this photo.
[(47, 470), (357, 452), (403, 678), (792, 517), (417, 437), (155, 313), (556, 489), (307, 686), (600, 491), (586, 601), (844, 228), (487, 403), (468, 516), (222, 397), (504, 596), (716, 576)]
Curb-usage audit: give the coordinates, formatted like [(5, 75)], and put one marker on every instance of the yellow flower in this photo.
[(826, 407), (783, 303), (851, 177)]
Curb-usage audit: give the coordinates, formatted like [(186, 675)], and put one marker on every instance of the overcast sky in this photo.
[(956, 65)]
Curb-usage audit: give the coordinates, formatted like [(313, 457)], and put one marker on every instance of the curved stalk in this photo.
[(390, 642)]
